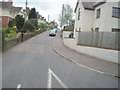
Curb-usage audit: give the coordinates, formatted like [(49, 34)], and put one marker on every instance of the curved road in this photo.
[(34, 64)]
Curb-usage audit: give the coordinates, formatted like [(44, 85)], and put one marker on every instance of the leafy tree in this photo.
[(62, 16), (68, 14), (19, 21), (34, 22), (28, 26), (33, 14), (65, 18)]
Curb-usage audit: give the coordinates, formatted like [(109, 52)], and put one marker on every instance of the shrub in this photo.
[(42, 25), (11, 23), (34, 22), (19, 21), (12, 34), (28, 26)]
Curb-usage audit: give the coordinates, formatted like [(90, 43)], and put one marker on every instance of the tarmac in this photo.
[(83, 60)]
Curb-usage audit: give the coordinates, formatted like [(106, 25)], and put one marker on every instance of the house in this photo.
[(41, 19), (8, 12), (97, 15)]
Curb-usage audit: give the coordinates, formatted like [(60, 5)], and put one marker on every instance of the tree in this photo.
[(68, 14), (28, 26), (33, 14), (62, 16), (19, 21), (65, 18)]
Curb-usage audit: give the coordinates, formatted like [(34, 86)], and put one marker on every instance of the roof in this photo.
[(9, 7), (90, 4), (16, 9)]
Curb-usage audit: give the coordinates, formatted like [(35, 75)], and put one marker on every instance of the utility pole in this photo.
[(26, 4), (48, 18)]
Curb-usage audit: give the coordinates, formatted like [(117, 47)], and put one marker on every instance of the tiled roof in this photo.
[(90, 4), (9, 7)]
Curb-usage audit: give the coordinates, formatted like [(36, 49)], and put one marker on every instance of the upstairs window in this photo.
[(79, 12), (116, 12), (98, 13)]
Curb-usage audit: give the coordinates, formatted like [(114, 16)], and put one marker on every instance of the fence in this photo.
[(109, 40)]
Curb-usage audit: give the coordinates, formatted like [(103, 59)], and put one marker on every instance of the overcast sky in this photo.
[(46, 7)]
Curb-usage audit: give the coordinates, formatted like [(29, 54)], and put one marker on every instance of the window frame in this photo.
[(114, 12), (97, 29), (0, 19), (79, 13), (98, 11), (115, 30)]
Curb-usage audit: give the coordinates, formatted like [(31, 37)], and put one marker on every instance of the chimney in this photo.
[(10, 3)]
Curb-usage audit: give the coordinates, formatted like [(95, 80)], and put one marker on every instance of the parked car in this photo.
[(52, 33), (71, 35)]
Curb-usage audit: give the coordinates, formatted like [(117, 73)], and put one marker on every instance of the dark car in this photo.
[(71, 35)]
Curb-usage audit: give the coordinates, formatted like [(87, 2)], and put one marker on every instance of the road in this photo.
[(34, 64)]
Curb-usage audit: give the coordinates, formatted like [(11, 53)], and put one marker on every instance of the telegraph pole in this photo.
[(48, 18), (26, 4)]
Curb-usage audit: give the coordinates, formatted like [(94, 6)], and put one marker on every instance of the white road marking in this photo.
[(19, 86), (50, 73), (49, 79)]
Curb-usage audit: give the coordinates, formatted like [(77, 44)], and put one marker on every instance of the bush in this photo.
[(11, 23), (34, 22), (12, 34), (6, 30), (28, 26), (42, 25)]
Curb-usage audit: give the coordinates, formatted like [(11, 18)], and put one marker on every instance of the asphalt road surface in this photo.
[(34, 64)]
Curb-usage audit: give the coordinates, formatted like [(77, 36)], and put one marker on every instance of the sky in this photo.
[(46, 7)]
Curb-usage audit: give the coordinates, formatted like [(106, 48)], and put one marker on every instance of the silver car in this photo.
[(52, 33)]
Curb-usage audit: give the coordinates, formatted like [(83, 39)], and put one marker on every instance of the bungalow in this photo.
[(8, 12), (97, 15)]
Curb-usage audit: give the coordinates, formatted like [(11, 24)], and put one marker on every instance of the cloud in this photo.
[(46, 7)]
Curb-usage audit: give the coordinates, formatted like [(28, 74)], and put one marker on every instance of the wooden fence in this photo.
[(110, 40)]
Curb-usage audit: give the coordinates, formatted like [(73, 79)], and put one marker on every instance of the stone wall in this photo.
[(17, 40)]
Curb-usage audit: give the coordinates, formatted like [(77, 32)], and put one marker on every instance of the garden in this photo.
[(20, 29)]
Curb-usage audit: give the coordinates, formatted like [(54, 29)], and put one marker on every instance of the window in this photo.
[(96, 29), (79, 11), (0, 19), (115, 30), (10, 12), (98, 13), (116, 12)]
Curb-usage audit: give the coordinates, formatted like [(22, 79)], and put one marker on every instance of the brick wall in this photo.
[(4, 22)]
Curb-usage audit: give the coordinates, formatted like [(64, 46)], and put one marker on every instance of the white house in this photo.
[(97, 15)]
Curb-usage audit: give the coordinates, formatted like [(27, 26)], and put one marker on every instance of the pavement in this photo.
[(34, 64), (83, 60)]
